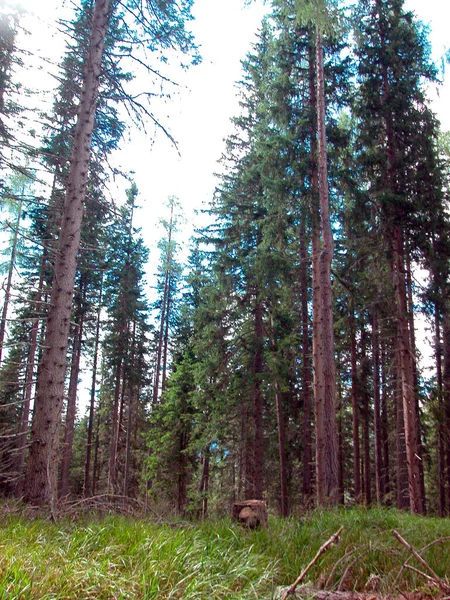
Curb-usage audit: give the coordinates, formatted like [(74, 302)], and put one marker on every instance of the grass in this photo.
[(123, 558)]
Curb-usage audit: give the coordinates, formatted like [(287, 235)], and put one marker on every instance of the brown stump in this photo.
[(250, 513)]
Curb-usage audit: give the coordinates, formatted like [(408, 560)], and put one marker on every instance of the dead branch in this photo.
[(333, 539), (419, 572), (440, 583), (336, 565)]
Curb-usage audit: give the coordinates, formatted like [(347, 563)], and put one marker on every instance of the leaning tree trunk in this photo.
[(41, 483)]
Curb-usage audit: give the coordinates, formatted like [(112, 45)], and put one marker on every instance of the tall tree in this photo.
[(163, 23)]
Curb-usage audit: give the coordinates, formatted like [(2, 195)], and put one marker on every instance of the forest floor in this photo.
[(123, 557)]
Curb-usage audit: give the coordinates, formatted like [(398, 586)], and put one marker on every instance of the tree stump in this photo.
[(250, 513)]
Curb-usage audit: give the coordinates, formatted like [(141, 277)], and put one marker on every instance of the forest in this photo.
[(280, 357)]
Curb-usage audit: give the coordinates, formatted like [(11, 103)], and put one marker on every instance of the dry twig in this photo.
[(432, 576), (291, 589)]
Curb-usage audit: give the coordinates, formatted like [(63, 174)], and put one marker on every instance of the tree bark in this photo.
[(379, 467), (41, 483), (407, 377), (12, 264), (69, 425), (355, 409), (284, 504), (307, 481), (87, 488), (325, 402), (257, 369)]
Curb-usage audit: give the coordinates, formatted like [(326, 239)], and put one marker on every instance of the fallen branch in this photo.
[(291, 589), (432, 576)]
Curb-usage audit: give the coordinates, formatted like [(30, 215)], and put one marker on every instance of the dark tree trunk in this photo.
[(441, 413), (307, 481), (69, 428), (29, 383), (41, 482), (410, 415), (284, 504), (327, 483), (367, 490), (114, 443), (204, 483), (446, 399), (87, 488), (379, 467), (355, 409), (402, 493), (257, 369), (12, 265)]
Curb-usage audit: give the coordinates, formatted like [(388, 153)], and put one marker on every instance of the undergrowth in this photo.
[(124, 558)]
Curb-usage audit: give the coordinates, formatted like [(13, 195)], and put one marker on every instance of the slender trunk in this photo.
[(446, 398), (401, 471), (307, 482), (164, 309), (257, 369), (87, 489), (441, 413), (326, 434), (385, 424), (112, 468), (355, 408), (12, 264), (204, 483), (69, 428), (379, 479), (367, 490), (166, 338), (407, 377), (284, 505), (412, 341), (41, 482), (130, 416), (29, 376)]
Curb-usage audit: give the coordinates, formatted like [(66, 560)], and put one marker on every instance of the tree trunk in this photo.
[(307, 482), (355, 409), (407, 378), (401, 475), (379, 479), (364, 368), (12, 264), (164, 308), (204, 483), (41, 482), (132, 391), (87, 488), (284, 505), (257, 369), (114, 442), (446, 398), (69, 428), (29, 383), (325, 402)]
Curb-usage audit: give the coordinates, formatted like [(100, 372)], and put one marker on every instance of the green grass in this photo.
[(121, 558)]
